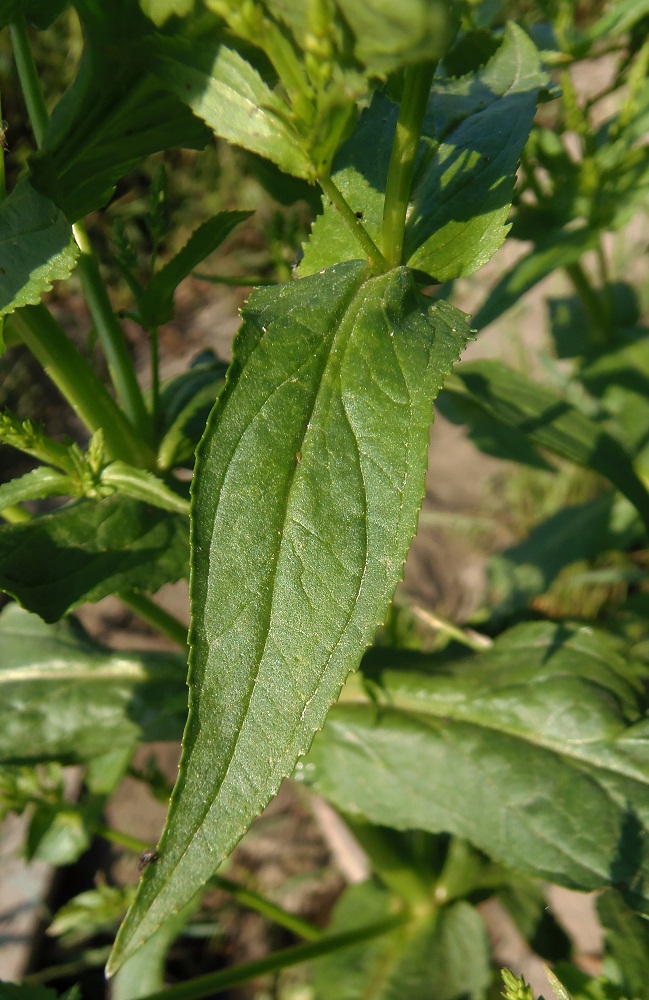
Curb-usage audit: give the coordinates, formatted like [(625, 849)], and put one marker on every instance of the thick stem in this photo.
[(416, 89), (591, 302), (154, 615), (399, 874), (79, 385), (375, 258), (219, 982), (111, 336), (29, 82)]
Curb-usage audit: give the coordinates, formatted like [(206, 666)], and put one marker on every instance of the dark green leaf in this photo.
[(64, 697), (474, 131), (536, 751), (113, 115), (306, 495), (88, 550), (390, 35), (558, 250), (157, 303), (627, 943), (12, 991), (36, 247), (526, 570), (551, 422), (438, 957)]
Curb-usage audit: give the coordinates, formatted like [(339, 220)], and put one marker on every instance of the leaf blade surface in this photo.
[(305, 500)]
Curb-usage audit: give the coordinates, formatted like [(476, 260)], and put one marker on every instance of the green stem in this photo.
[(14, 515), (110, 335), (79, 385), (591, 302), (248, 281), (375, 258), (219, 982), (416, 89), (267, 909), (29, 82), (154, 615), (122, 839)]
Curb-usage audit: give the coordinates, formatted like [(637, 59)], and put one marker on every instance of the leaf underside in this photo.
[(306, 495)]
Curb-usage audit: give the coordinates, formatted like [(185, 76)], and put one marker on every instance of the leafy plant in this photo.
[(523, 756)]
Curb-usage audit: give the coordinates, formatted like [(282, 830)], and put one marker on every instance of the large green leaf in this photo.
[(114, 114), (89, 550), (536, 751), (551, 422), (441, 956), (64, 697), (306, 495), (36, 247), (473, 134)]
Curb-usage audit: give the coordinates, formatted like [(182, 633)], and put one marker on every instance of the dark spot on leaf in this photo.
[(146, 858)]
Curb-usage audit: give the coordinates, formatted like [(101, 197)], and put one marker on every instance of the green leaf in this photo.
[(627, 943), (186, 404), (35, 485), (306, 495), (144, 973), (620, 17), (228, 93), (473, 134), (138, 484), (36, 247), (438, 957), (389, 36), (556, 251), (551, 422), (536, 751), (112, 116), (157, 304), (12, 991), (65, 697), (89, 550), (584, 531)]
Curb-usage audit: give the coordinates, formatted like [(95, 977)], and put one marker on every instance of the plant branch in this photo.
[(29, 82), (154, 615), (78, 384), (375, 258), (111, 336), (219, 982), (591, 302), (416, 89), (265, 908)]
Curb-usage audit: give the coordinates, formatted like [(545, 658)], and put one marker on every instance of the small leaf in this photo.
[(35, 485), (138, 484), (36, 247), (551, 422), (511, 749), (65, 697), (306, 495), (156, 305), (228, 93), (89, 550)]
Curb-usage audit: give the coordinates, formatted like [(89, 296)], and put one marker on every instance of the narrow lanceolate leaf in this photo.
[(536, 751), (88, 550), (552, 422), (36, 247), (306, 495), (64, 697)]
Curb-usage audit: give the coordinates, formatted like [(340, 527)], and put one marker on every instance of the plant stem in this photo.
[(247, 281), (29, 83), (375, 258), (154, 615), (121, 839), (416, 89), (14, 515), (79, 385), (111, 336), (219, 982), (591, 303), (467, 637), (109, 332), (267, 909)]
